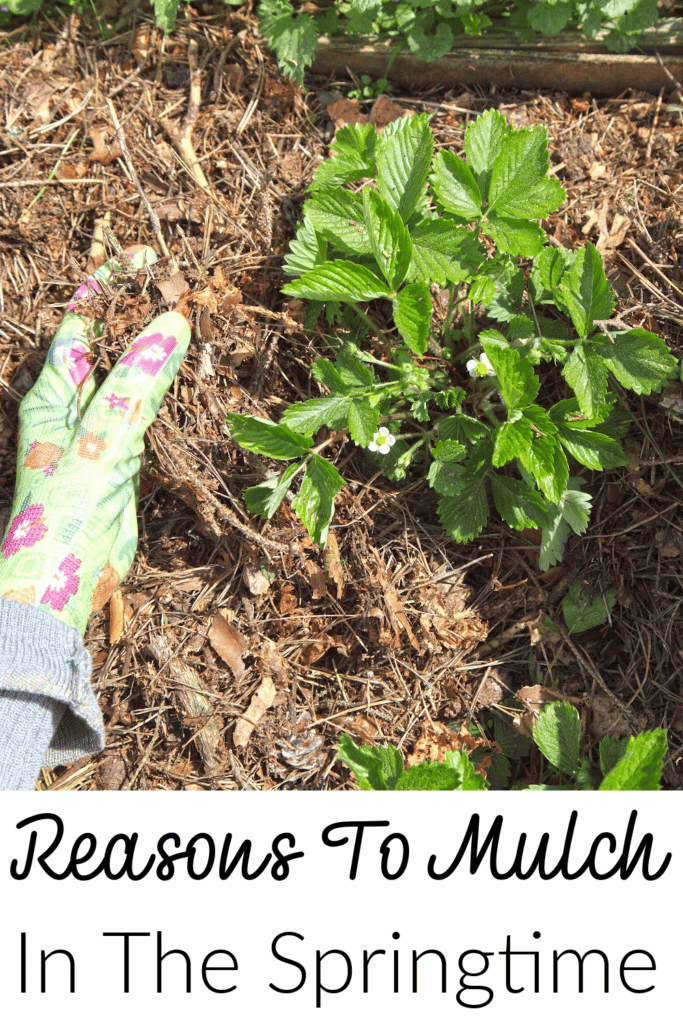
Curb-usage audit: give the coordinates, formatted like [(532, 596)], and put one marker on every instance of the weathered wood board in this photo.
[(569, 62)]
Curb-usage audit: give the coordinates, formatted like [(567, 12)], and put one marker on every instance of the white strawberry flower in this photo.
[(480, 367), (382, 441)]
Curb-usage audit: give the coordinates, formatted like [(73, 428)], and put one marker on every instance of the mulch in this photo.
[(236, 652)]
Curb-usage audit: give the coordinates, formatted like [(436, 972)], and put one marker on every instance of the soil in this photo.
[(235, 653)]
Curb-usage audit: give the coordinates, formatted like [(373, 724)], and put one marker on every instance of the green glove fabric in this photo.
[(72, 534)]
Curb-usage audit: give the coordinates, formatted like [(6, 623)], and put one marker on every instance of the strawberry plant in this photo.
[(469, 409), (429, 27), (622, 764)]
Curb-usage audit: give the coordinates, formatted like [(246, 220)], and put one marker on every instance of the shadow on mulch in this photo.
[(235, 654)]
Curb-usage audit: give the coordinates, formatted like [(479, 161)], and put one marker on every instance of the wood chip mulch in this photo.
[(236, 652)]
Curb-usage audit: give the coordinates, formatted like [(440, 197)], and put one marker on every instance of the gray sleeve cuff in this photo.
[(41, 655)]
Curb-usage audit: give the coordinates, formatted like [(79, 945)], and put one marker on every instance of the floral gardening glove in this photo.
[(72, 535)]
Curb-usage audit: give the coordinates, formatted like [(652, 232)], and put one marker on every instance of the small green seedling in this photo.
[(583, 611), (369, 89)]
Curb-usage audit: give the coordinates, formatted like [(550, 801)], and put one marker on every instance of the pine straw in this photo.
[(400, 628)]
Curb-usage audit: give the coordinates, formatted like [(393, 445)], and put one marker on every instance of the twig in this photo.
[(253, 103), (26, 182), (656, 269), (129, 79), (58, 124), (148, 751), (154, 220), (653, 129), (182, 139), (97, 254), (668, 74)]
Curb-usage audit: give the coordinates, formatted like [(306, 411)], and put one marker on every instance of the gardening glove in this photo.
[(72, 534)]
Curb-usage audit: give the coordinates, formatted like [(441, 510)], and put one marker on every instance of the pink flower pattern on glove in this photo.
[(115, 402), (27, 529), (65, 584), (149, 353), (84, 292), (75, 356)]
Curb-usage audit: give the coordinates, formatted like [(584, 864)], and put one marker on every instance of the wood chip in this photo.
[(260, 702)]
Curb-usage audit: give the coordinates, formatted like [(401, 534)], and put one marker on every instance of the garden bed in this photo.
[(225, 621)]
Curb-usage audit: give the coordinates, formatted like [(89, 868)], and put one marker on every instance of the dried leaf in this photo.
[(260, 702), (173, 288), (255, 580), (398, 617), (314, 650), (332, 564), (384, 111), (436, 740), (288, 601), (537, 697), (317, 580), (70, 171), (102, 151), (116, 617), (607, 718), (346, 112), (229, 644)]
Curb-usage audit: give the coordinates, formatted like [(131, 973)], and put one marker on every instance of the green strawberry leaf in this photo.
[(327, 373), (314, 503), (430, 775), (511, 439), (638, 359), (445, 474), (586, 292), (338, 216), (404, 153), (310, 416), (641, 766), (266, 498), (552, 263), (520, 186), (519, 505), (515, 237), (483, 140), (295, 40), (585, 611), (363, 421), (586, 374), (557, 733), (274, 440), (306, 251), (351, 158), (590, 448), (412, 309), (612, 749), (389, 238), (340, 280), (444, 252), (518, 383), (375, 768), (550, 19), (454, 185)]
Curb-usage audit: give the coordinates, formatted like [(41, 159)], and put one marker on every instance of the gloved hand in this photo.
[(72, 534)]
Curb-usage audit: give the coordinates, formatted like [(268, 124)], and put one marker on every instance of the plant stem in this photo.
[(468, 321), (371, 324), (449, 315)]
